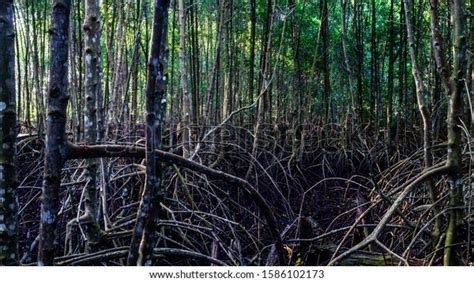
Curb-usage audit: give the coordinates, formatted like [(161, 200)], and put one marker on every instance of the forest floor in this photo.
[(326, 195)]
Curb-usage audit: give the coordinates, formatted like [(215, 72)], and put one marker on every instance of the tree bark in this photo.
[(325, 62), (437, 43), (455, 125), (423, 108), (251, 78), (357, 22), (56, 140), (374, 72), (401, 74), (391, 60), (264, 83), (91, 87), (143, 238), (186, 109), (212, 73), (36, 74), (8, 178), (468, 114)]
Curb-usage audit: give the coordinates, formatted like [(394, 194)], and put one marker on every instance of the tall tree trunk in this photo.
[(143, 238), (264, 86), (351, 107), (468, 115), (455, 125), (422, 106), (391, 61), (212, 74), (438, 45), (298, 91), (374, 71), (357, 21), (186, 108), (251, 78), (109, 39), (174, 116), (102, 181), (72, 86), (8, 179), (228, 98), (325, 63), (115, 94), (454, 88), (36, 75), (18, 70), (264, 82), (56, 141), (135, 63), (401, 74), (91, 87), (194, 59), (26, 61)]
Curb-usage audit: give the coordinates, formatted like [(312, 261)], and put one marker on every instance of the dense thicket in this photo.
[(254, 132)]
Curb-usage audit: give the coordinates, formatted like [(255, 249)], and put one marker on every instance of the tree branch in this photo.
[(103, 151)]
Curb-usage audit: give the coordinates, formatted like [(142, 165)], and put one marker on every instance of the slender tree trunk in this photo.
[(174, 107), (80, 72), (102, 180), (374, 80), (26, 62), (143, 238), (423, 108), (264, 83), (438, 45), (75, 81), (18, 70), (251, 78), (72, 85), (110, 36), (298, 91), (468, 115), (350, 109), (91, 88), (391, 61), (36, 77), (357, 21), (8, 178), (228, 98), (115, 95), (421, 100), (194, 59), (401, 74), (212, 73), (325, 63), (135, 62), (186, 109), (56, 130)]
